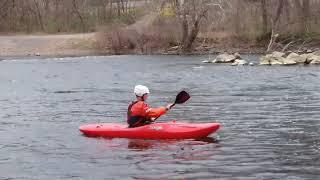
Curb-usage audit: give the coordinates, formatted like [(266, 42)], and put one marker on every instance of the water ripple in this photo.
[(269, 117)]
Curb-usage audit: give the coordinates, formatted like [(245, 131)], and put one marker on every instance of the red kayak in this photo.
[(160, 130)]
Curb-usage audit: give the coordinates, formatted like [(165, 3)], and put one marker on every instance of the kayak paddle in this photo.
[(181, 98)]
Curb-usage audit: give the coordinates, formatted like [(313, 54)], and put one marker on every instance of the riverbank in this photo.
[(60, 45), (65, 45)]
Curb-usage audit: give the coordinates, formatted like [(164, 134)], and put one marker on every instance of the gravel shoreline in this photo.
[(15, 46)]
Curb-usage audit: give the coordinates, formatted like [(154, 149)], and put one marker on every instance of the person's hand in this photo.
[(169, 106)]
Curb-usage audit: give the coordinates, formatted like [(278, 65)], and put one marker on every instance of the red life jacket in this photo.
[(139, 113)]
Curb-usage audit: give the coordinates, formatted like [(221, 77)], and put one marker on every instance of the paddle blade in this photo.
[(182, 97)]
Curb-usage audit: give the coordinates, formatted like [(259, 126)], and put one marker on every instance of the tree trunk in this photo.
[(192, 36), (185, 9), (185, 30), (303, 9), (278, 13), (110, 9), (47, 6), (287, 11), (56, 15), (118, 8), (237, 17), (39, 15), (78, 14), (306, 15), (122, 6), (264, 16), (12, 24)]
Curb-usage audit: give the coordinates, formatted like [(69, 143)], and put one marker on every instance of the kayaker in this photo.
[(139, 112)]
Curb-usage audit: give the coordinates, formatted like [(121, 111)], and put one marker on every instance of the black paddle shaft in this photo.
[(182, 97)]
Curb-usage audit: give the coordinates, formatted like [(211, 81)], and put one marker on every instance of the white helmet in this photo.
[(140, 90)]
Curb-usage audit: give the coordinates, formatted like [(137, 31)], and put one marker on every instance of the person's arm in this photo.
[(156, 112)]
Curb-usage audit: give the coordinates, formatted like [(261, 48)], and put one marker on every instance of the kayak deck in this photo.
[(161, 130)]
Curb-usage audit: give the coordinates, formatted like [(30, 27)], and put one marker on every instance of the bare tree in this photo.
[(279, 11), (275, 25), (190, 13), (36, 3), (76, 10), (303, 9), (264, 16)]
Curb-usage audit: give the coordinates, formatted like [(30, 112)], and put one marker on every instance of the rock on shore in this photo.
[(279, 58), (235, 59)]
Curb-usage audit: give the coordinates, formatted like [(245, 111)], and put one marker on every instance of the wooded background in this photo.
[(183, 20)]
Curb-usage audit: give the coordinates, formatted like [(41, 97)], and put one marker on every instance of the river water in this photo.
[(270, 119)]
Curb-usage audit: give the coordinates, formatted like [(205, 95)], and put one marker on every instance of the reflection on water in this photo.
[(269, 116), (140, 144)]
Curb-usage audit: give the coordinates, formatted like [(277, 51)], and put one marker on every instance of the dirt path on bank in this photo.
[(47, 45)]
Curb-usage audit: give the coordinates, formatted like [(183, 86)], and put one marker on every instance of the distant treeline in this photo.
[(55, 16)]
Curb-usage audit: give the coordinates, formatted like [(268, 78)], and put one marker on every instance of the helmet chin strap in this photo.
[(141, 97)]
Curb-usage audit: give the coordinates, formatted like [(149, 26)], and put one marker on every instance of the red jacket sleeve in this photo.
[(142, 109), (156, 112)]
